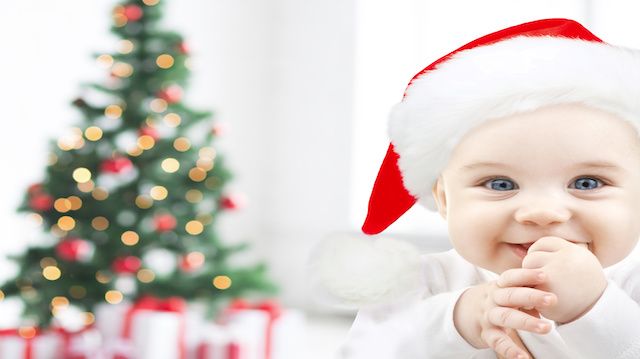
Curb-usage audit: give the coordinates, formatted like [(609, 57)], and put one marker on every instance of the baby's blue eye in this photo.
[(500, 184), (589, 183)]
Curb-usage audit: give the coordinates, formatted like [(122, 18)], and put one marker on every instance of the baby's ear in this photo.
[(439, 196)]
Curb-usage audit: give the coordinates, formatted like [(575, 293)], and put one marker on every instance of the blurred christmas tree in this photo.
[(131, 196)]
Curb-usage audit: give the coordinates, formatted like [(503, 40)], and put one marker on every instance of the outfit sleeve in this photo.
[(418, 328), (609, 330)]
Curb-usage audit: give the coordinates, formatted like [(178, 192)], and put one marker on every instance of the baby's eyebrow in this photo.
[(585, 164)]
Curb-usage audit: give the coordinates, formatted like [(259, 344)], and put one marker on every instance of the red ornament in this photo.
[(126, 265), (191, 262), (41, 202), (74, 249), (35, 189), (116, 165), (233, 201), (164, 222), (183, 48), (133, 12), (171, 94), (219, 129), (149, 131)]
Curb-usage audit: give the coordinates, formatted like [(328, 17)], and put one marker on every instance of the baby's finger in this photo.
[(548, 244), (536, 259), (521, 277), (498, 340), (523, 297), (513, 318)]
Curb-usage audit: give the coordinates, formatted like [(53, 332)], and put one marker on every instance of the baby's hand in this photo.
[(575, 276), (486, 314)]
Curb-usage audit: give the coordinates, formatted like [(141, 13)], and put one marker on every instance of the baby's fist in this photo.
[(575, 276)]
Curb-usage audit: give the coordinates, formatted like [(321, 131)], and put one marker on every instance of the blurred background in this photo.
[(303, 88)]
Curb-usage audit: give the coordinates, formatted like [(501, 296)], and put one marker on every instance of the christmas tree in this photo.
[(130, 198)]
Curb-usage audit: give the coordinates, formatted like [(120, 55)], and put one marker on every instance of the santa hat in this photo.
[(518, 69), (514, 70)]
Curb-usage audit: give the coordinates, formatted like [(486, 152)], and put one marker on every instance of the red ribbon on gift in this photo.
[(67, 336), (233, 351), (271, 307), (171, 304), (28, 349)]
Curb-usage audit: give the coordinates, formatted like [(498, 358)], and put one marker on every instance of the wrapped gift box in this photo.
[(30, 344)]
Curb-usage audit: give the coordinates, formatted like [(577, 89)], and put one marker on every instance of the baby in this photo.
[(526, 142)]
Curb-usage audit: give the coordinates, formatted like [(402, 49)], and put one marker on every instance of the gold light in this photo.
[(150, 2), (170, 165), (182, 144), (146, 275), (207, 152), (197, 174), (52, 159), (113, 112), (51, 273), (100, 194), (126, 46), (59, 302), (193, 196), (158, 105), (122, 69), (86, 187), (81, 175), (100, 223), (144, 201), (27, 332), (130, 238), (158, 193), (135, 152), (119, 19), (195, 259), (76, 202), (93, 133), (66, 223), (205, 163), (77, 291), (194, 227), (146, 142), (1, 296), (105, 60), (57, 231), (222, 282), (89, 318), (172, 119), (102, 277), (164, 61), (113, 297), (62, 205)]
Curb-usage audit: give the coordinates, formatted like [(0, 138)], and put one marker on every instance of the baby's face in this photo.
[(567, 171)]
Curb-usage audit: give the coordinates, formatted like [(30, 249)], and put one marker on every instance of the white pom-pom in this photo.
[(357, 271)]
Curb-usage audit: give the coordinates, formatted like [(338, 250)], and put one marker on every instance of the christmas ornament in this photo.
[(183, 48), (133, 12), (171, 94), (74, 250), (191, 262), (126, 265), (164, 222), (233, 201), (41, 202), (116, 165)]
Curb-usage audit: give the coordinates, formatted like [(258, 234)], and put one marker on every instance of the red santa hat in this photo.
[(518, 69), (514, 70)]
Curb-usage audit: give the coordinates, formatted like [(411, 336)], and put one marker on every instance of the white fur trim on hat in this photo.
[(501, 79), (354, 270)]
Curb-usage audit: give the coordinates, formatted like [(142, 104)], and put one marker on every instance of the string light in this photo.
[(76, 202), (182, 144), (62, 205), (77, 291), (81, 175), (86, 187), (172, 119), (59, 302), (93, 133), (66, 223), (113, 297), (105, 61), (27, 332), (119, 19), (102, 277), (144, 201), (164, 61), (113, 112), (100, 223), (194, 227), (146, 142), (150, 2), (135, 152), (1, 296), (130, 238), (158, 105), (158, 193), (146, 275), (126, 46), (222, 282), (207, 152), (52, 159), (47, 262), (122, 69), (193, 196), (170, 165), (100, 194), (89, 318), (197, 174), (51, 273), (206, 164)]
